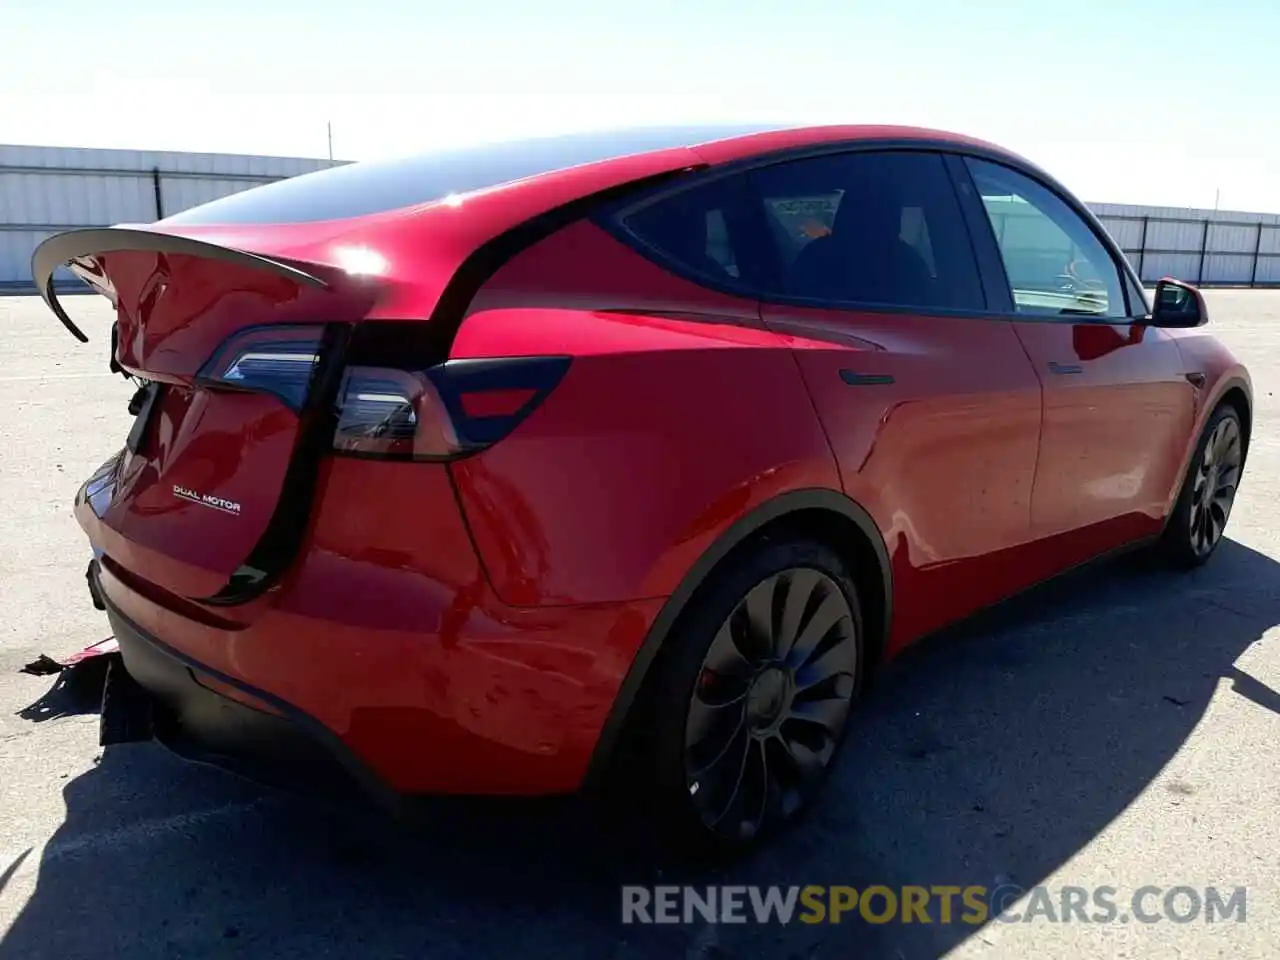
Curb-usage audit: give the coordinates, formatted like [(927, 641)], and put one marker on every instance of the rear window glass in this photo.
[(376, 186), (702, 229)]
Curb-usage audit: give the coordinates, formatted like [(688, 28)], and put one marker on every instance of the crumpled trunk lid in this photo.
[(200, 484)]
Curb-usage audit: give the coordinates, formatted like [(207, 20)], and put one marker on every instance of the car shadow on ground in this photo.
[(993, 752)]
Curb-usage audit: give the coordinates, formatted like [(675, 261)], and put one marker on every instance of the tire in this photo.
[(1199, 518), (737, 686)]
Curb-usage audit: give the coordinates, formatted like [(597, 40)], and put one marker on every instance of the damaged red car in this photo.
[(516, 469)]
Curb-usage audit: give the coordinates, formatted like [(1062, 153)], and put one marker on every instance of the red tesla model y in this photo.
[(499, 470)]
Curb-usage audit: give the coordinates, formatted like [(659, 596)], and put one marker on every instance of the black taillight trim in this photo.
[(456, 377)]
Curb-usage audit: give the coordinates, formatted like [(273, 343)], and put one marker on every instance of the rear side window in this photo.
[(869, 227), (704, 230)]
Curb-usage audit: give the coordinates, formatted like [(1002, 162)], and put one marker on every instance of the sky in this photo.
[(1129, 101)]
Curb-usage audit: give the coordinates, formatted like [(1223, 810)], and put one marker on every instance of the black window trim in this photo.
[(610, 219)]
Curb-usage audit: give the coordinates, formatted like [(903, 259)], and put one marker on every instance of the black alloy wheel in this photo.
[(1199, 519), (770, 703), (1214, 485)]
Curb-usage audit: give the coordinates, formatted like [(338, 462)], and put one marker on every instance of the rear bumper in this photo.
[(410, 685), (274, 743)]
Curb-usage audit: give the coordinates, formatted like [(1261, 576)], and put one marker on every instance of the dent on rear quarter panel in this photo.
[(678, 414)]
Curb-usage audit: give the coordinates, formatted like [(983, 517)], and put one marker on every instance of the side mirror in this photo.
[(1178, 304)]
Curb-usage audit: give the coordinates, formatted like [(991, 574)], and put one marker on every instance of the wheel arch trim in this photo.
[(742, 529), (1232, 382)]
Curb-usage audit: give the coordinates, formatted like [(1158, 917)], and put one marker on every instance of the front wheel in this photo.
[(753, 696), (1200, 516)]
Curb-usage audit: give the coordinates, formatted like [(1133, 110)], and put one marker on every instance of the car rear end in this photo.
[(279, 544)]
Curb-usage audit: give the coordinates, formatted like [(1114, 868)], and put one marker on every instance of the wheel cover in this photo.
[(770, 702), (1214, 489)]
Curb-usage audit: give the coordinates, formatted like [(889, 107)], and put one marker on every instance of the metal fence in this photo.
[(1206, 248)]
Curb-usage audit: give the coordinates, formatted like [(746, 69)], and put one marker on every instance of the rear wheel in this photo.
[(752, 696), (1208, 492)]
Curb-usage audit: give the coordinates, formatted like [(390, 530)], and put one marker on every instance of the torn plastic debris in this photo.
[(42, 666), (46, 666)]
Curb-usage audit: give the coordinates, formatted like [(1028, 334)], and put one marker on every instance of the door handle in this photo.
[(1196, 379), (865, 379), (1064, 368)]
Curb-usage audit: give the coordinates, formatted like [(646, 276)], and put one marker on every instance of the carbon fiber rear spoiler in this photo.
[(78, 248)]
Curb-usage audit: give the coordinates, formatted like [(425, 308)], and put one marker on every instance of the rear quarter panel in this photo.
[(678, 414)]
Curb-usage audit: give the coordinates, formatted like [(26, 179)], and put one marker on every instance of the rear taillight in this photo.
[(276, 360), (443, 411), (393, 400)]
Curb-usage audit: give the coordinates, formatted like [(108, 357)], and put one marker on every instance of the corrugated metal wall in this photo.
[(47, 189), (1200, 246)]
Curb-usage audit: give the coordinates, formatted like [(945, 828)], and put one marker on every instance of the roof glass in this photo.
[(376, 186)]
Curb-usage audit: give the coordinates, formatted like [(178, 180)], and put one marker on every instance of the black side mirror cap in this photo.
[(1178, 304)]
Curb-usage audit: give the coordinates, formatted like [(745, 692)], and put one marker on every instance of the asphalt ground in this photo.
[(1118, 728)]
